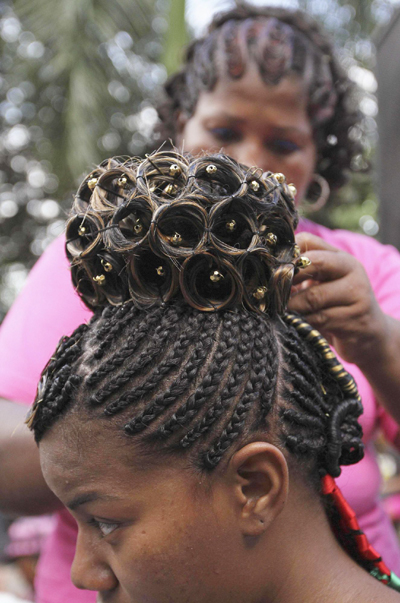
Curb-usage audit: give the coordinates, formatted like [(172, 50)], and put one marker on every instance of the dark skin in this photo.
[(268, 126), (164, 533)]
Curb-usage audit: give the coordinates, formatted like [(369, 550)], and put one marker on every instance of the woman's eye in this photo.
[(103, 527), (283, 146), (225, 134)]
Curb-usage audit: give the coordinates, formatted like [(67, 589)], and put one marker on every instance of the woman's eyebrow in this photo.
[(82, 499)]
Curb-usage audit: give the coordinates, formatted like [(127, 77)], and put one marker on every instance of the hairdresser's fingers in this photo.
[(327, 266), (317, 297), (308, 242)]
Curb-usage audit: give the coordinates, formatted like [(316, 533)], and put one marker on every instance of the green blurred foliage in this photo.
[(78, 83), (354, 25)]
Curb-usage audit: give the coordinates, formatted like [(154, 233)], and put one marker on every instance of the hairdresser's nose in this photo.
[(251, 150), (90, 570)]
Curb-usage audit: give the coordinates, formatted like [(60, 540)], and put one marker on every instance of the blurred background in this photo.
[(79, 81)]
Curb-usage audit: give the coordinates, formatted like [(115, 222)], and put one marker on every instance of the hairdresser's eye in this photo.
[(226, 135), (104, 527), (283, 146)]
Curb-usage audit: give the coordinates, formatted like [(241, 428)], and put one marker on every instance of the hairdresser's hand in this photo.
[(335, 296)]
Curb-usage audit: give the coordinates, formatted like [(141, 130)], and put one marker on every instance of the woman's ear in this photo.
[(261, 482)]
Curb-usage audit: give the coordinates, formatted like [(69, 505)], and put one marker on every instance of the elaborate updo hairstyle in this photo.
[(280, 42), (188, 264)]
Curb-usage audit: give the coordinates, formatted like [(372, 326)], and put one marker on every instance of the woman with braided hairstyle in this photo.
[(265, 85), (194, 427)]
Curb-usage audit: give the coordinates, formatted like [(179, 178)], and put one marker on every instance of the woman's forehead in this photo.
[(80, 457), (284, 104)]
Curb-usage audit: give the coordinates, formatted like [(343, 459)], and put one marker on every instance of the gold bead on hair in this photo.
[(260, 292), (231, 225), (106, 265), (82, 230), (211, 169), (303, 262), (280, 177), (271, 239), (176, 239), (296, 251), (169, 189), (92, 183), (292, 189), (160, 271), (122, 181), (138, 227), (254, 185), (216, 276), (100, 279), (174, 170)]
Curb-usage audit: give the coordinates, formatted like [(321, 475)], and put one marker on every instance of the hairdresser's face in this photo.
[(257, 124), (146, 534)]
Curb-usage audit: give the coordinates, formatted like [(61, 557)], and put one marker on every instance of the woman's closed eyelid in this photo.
[(283, 145), (225, 134), (105, 528)]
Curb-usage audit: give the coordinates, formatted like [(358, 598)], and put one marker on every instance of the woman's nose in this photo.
[(253, 152), (89, 569)]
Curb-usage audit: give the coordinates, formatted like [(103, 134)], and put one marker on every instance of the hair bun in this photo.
[(207, 228)]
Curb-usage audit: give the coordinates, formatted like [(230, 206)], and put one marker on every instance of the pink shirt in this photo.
[(49, 308)]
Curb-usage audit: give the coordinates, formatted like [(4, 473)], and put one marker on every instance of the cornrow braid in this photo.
[(229, 393), (119, 315), (250, 394), (57, 382), (205, 390), (179, 387), (161, 371), (128, 349)]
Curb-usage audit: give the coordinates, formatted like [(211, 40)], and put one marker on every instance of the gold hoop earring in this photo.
[(318, 199)]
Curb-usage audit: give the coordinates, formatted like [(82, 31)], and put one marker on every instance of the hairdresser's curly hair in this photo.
[(280, 42)]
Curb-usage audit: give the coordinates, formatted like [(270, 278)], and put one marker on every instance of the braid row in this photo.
[(149, 355), (327, 401), (251, 393), (228, 395), (125, 351), (180, 385), (53, 397), (109, 332), (227, 345), (162, 370)]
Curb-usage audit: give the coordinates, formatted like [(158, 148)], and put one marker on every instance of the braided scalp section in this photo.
[(256, 395), (320, 418), (57, 384)]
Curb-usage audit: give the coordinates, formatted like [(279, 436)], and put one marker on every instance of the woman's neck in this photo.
[(317, 569)]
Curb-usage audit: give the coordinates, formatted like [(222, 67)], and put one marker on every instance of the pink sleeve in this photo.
[(46, 309)]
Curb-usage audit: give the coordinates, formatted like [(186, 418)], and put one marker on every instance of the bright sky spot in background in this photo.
[(199, 13)]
